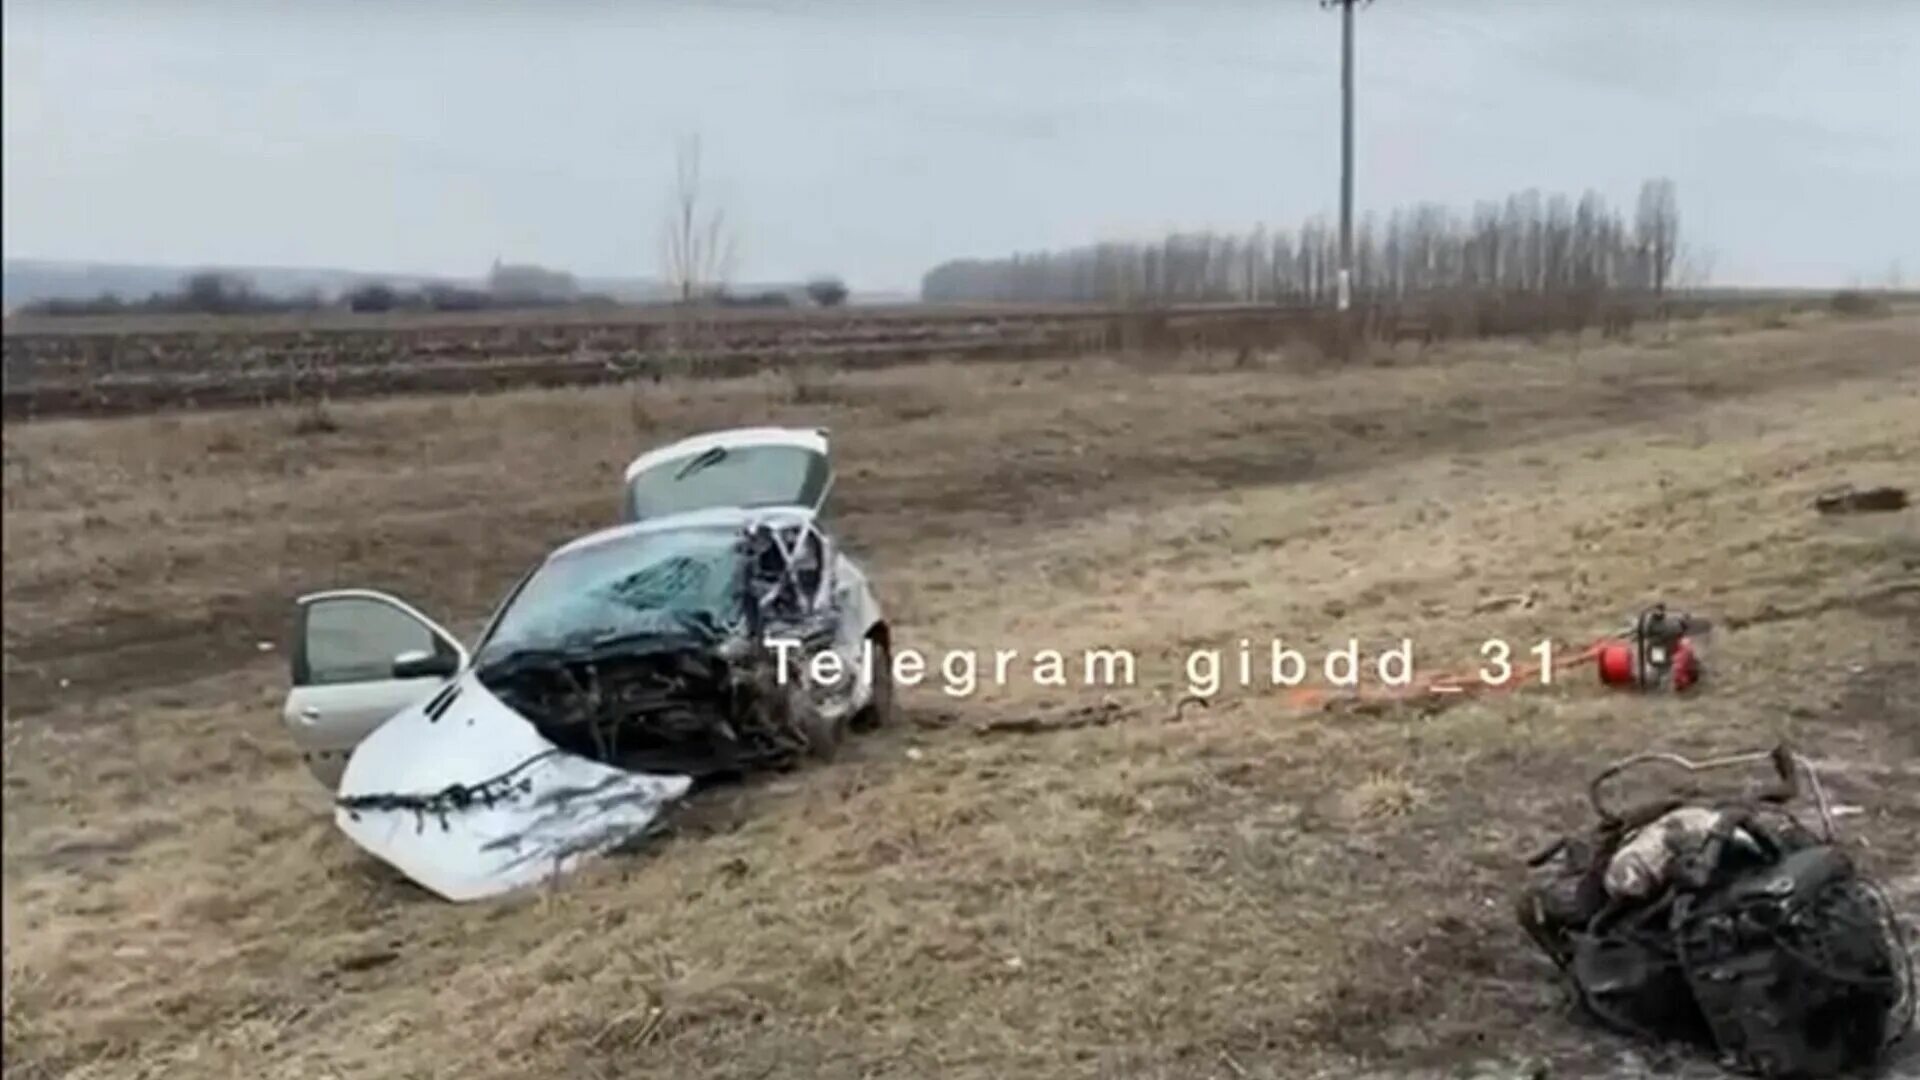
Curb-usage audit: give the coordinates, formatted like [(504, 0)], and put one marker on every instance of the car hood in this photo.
[(462, 795)]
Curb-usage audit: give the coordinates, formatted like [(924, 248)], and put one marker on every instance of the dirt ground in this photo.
[(1250, 890)]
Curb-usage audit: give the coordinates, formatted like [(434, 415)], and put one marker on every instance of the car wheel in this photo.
[(824, 735), (878, 712)]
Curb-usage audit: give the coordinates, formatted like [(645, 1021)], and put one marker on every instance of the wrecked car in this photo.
[(717, 631)]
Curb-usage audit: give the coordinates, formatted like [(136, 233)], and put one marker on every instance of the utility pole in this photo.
[(1345, 286)]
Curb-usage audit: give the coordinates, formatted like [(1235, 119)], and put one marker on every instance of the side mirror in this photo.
[(420, 664)]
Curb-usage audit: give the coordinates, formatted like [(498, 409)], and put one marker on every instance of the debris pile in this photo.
[(1848, 499), (1729, 925)]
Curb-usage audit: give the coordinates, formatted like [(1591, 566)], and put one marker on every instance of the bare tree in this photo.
[(698, 243), (1656, 226), (827, 291), (1530, 245)]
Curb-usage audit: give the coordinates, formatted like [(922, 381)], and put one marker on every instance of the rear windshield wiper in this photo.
[(712, 457)]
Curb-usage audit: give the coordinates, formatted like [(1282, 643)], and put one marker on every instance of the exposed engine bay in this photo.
[(1730, 925), (696, 695)]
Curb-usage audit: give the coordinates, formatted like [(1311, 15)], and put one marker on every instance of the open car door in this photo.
[(747, 468), (359, 657)]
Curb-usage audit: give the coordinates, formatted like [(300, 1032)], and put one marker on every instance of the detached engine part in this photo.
[(1731, 926)]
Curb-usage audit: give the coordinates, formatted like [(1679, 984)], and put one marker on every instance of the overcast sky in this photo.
[(876, 139)]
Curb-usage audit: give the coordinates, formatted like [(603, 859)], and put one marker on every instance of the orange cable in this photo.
[(1315, 698)]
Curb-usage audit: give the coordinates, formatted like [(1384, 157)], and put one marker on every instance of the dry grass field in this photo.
[(111, 366), (1248, 890)]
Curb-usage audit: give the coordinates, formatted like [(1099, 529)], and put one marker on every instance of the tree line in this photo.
[(213, 292), (206, 293), (1525, 244), (217, 293)]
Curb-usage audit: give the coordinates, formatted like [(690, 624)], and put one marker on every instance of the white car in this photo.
[(687, 642)]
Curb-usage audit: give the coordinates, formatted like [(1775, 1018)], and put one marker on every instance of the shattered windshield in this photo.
[(652, 583), (747, 476)]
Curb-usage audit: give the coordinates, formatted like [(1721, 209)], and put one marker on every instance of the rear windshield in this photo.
[(745, 476)]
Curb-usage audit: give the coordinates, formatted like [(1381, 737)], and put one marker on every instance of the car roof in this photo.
[(814, 439), (721, 517)]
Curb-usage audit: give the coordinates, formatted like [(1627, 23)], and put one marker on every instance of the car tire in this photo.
[(824, 736), (878, 712)]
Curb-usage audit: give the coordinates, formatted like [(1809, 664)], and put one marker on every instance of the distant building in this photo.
[(529, 282)]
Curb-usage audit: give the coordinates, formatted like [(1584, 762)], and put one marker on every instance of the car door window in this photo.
[(348, 639)]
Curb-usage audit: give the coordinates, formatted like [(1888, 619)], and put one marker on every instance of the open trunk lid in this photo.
[(747, 468)]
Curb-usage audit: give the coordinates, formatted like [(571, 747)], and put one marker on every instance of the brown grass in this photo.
[(1247, 891)]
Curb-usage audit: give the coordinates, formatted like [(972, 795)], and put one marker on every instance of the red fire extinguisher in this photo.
[(1660, 651)]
